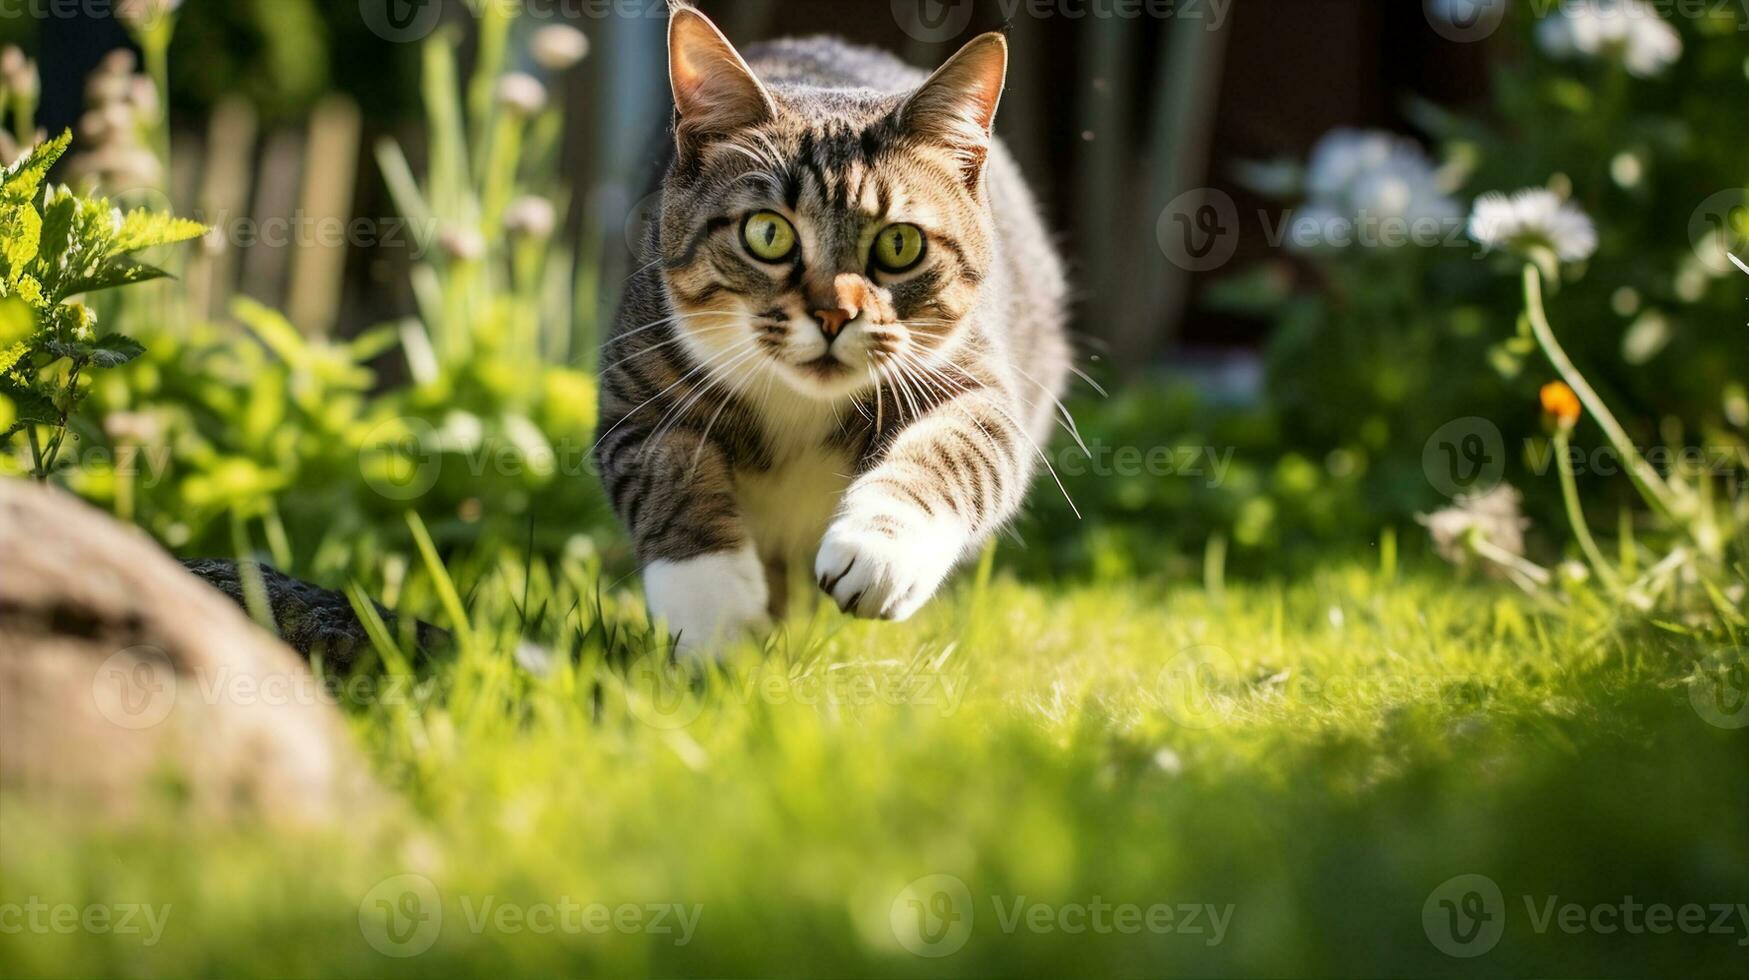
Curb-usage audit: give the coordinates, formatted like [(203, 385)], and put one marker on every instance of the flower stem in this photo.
[(1576, 514), (1651, 486), (36, 455)]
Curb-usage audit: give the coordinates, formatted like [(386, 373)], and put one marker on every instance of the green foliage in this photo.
[(299, 439), (54, 246), (246, 434), (1392, 343), (1164, 470)]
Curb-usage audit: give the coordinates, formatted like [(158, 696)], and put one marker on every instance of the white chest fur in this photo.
[(788, 506)]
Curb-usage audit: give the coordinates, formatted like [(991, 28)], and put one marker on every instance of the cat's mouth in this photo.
[(825, 366)]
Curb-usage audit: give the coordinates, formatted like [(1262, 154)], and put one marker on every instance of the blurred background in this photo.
[(1107, 114), (1193, 155)]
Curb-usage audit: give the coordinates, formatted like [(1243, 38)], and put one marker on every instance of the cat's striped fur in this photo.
[(740, 430)]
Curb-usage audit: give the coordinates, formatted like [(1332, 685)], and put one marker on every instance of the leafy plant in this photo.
[(245, 434), (1387, 343), (55, 246)]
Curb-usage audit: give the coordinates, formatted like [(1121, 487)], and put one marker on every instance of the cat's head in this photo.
[(823, 237)]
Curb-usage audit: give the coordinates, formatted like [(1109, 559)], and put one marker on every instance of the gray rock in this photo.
[(126, 682), (314, 621)]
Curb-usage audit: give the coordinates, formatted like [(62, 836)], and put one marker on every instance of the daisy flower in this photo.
[(1371, 188), (1629, 31), (1533, 220)]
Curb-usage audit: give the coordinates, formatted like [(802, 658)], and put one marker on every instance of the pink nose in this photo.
[(832, 321)]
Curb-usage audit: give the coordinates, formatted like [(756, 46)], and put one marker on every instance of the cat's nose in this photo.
[(833, 321)]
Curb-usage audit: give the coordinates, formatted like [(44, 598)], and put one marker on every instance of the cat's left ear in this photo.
[(957, 105), (715, 93)]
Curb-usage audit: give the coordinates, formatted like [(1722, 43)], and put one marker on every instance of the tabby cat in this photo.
[(845, 342)]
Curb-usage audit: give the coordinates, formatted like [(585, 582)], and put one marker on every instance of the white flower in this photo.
[(1533, 219), (1319, 226), (1384, 187), (1343, 155), (558, 47), (145, 14), (462, 244), (1493, 517), (522, 93), (530, 216), (1403, 191), (1629, 31)]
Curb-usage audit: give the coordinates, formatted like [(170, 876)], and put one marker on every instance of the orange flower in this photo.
[(1560, 403)]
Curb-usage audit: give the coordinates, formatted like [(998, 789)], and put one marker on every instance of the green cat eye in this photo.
[(769, 236), (898, 247)]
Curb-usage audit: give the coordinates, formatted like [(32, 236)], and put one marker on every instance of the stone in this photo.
[(127, 683)]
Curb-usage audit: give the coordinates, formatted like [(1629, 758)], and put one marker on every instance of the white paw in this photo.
[(708, 602), (875, 574)]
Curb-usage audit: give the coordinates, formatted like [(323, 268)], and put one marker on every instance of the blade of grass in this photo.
[(446, 591)]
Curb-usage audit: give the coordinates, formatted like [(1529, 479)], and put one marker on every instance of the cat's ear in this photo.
[(714, 90), (957, 105)]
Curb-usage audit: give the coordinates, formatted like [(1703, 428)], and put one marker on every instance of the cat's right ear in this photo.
[(714, 91)]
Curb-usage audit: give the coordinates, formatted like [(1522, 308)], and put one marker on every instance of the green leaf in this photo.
[(30, 405), (121, 272), (60, 212), (21, 231), (373, 342), (72, 350), (17, 321), (114, 350), (19, 182), (145, 229), (274, 330)]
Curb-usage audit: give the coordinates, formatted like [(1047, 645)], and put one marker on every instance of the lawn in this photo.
[(1030, 778)]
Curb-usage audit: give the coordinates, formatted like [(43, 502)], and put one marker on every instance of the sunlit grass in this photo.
[(1316, 757)]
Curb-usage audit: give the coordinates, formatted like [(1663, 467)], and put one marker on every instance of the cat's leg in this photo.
[(949, 480), (777, 584), (702, 576)]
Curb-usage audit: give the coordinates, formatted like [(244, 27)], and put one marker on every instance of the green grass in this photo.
[(1310, 760)]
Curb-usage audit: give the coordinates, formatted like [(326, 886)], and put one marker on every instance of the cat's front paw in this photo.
[(882, 569), (710, 601)]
